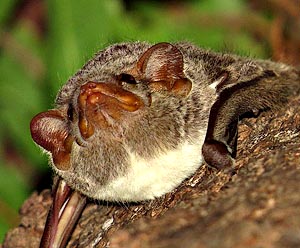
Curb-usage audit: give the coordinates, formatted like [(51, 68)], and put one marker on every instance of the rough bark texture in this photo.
[(257, 207)]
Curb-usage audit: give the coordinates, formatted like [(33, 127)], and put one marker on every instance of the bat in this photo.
[(138, 119)]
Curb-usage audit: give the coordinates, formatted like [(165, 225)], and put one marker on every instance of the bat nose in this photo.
[(95, 93), (101, 104)]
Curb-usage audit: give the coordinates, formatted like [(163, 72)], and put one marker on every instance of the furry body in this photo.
[(148, 152)]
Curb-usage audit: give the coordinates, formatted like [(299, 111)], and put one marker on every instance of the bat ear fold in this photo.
[(49, 131), (162, 66)]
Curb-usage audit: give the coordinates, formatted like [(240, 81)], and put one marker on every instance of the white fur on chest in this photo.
[(152, 178)]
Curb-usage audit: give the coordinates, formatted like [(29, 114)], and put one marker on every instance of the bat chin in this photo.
[(64, 213)]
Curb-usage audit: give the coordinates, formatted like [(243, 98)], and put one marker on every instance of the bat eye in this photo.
[(70, 112), (127, 78)]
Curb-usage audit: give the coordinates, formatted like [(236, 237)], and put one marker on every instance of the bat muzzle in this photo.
[(101, 105)]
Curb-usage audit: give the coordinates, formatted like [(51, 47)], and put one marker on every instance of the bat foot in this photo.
[(216, 155)]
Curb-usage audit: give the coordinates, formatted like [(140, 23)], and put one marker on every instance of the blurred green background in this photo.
[(42, 43)]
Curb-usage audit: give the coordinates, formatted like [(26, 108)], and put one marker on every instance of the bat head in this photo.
[(127, 99)]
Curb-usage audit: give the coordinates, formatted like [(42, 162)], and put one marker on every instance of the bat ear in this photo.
[(48, 130), (162, 66)]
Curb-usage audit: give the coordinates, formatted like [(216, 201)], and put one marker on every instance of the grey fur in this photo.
[(170, 120)]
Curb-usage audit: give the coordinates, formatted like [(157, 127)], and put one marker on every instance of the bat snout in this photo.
[(102, 104)]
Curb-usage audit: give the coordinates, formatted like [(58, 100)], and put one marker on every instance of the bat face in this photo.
[(127, 133)]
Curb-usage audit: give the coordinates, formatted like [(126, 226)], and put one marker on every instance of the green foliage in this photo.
[(33, 68)]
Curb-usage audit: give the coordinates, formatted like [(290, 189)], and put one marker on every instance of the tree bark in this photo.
[(256, 207)]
